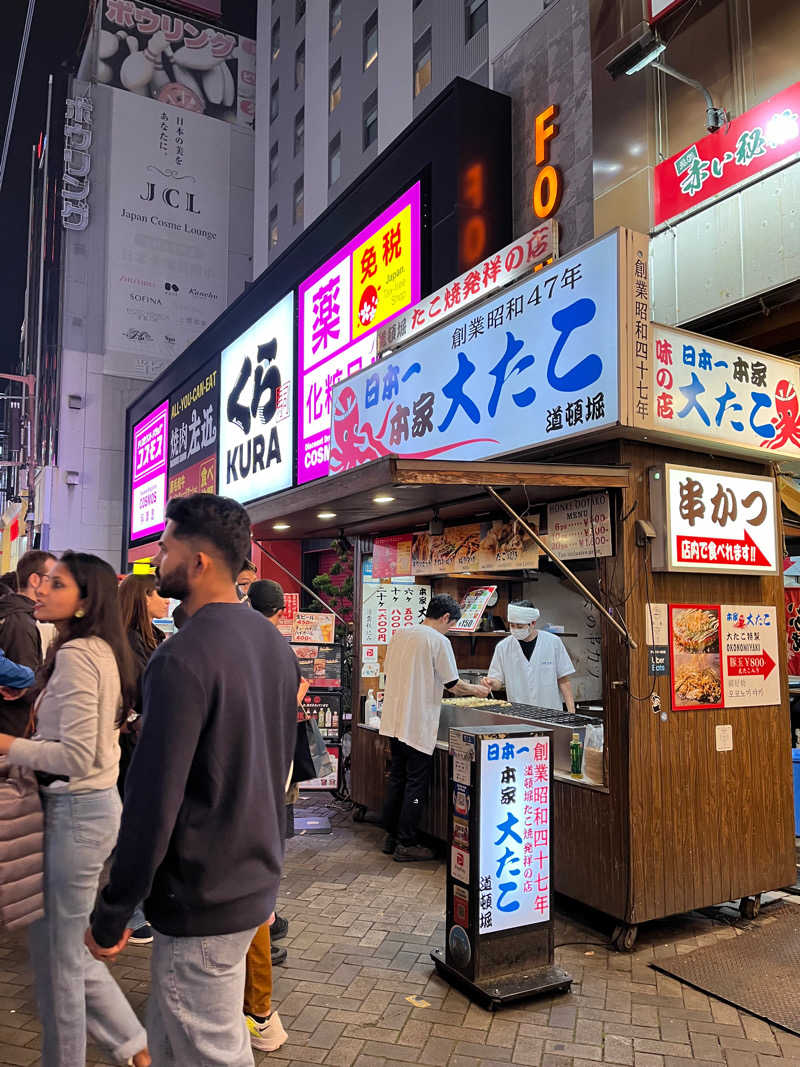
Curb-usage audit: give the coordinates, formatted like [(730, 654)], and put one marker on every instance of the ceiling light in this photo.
[(326, 514), (280, 526), (383, 499)]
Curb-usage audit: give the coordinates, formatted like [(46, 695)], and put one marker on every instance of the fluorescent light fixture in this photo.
[(326, 514), (383, 499), (658, 49), (280, 526)]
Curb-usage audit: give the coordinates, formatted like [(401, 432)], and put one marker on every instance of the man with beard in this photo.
[(201, 839)]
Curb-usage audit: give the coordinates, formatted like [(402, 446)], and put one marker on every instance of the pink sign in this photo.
[(369, 281), (750, 144), (149, 480)]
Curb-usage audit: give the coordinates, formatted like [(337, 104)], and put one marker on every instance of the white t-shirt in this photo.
[(419, 662), (533, 681)]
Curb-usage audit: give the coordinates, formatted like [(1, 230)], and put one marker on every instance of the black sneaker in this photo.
[(389, 845), (279, 928), (413, 854), (142, 936), (278, 955)]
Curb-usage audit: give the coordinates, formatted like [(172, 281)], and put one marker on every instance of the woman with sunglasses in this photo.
[(86, 682)]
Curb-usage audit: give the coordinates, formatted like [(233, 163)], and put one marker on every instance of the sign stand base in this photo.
[(497, 993)]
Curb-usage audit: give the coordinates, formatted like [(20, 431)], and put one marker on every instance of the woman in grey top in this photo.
[(75, 753)]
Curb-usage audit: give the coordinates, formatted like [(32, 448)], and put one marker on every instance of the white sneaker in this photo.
[(267, 1036)]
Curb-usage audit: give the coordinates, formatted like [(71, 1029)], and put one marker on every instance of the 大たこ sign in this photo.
[(538, 366), (714, 391)]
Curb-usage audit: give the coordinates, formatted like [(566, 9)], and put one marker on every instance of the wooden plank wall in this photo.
[(705, 826)]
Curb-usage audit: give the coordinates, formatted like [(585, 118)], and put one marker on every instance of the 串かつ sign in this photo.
[(537, 366), (715, 521)]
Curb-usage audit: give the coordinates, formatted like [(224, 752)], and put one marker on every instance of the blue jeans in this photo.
[(73, 990), (194, 1015)]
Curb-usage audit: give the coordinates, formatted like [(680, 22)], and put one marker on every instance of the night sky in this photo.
[(55, 38)]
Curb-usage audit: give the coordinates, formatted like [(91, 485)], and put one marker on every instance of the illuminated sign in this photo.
[(659, 8), (549, 184), (528, 253), (149, 474), (716, 521), (368, 281), (75, 186), (756, 141), (256, 420), (193, 433)]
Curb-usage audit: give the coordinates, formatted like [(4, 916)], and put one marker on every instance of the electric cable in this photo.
[(23, 51)]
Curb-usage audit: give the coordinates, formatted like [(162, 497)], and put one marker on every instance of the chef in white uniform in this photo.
[(531, 665)]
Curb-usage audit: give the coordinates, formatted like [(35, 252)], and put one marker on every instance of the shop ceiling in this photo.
[(412, 490)]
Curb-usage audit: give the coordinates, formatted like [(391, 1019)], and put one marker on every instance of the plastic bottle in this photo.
[(576, 756)]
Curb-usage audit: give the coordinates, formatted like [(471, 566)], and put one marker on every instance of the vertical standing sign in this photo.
[(499, 887)]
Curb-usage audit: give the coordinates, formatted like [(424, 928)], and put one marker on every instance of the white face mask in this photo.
[(522, 633)]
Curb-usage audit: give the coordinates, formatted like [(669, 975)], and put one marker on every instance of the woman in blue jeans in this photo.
[(75, 753)]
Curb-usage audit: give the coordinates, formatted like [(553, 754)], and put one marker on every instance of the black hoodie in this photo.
[(22, 643)]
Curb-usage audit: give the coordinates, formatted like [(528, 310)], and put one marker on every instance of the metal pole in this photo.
[(302, 585), (23, 49), (563, 568)]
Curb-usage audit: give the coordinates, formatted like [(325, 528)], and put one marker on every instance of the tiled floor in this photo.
[(359, 987)]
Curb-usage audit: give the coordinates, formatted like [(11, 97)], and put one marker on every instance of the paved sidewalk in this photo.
[(362, 927)]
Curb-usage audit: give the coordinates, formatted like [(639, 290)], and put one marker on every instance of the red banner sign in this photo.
[(723, 551), (750, 144)]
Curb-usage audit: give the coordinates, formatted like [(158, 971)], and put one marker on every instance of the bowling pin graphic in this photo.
[(155, 50), (137, 70)]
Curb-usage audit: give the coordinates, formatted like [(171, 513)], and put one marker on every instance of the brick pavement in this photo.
[(361, 931)]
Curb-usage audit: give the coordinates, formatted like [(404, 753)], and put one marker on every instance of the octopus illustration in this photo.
[(787, 422), (355, 442)]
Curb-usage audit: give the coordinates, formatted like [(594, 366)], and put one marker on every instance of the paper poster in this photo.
[(331, 781), (792, 597), (459, 864), (695, 659), (472, 608), (291, 606), (313, 627), (750, 656), (387, 608)]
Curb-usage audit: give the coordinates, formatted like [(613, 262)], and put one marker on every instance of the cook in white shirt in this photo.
[(419, 665), (531, 665)]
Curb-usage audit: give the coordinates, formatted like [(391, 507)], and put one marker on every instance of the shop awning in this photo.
[(416, 488)]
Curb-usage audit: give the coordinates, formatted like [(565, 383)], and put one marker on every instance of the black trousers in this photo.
[(406, 791)]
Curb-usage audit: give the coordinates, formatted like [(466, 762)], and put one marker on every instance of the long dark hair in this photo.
[(97, 585), (133, 593)]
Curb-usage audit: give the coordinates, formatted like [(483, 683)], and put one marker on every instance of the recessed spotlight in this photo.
[(326, 514), (280, 526), (383, 499)]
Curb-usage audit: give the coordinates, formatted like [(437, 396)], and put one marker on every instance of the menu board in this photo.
[(723, 656), (488, 546), (387, 608), (332, 780), (326, 709), (149, 475), (580, 528), (314, 627), (472, 608), (291, 606), (320, 665)]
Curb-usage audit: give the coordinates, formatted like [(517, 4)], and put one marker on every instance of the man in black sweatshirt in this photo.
[(202, 833)]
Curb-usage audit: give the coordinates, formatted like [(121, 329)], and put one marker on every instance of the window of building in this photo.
[(276, 39), (297, 210), (273, 101), (477, 15), (273, 164), (335, 84), (299, 10), (300, 66), (335, 159), (422, 62), (335, 17), (370, 119), (273, 226), (370, 40), (299, 131)]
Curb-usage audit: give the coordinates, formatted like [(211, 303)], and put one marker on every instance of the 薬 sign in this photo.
[(374, 277), (538, 365)]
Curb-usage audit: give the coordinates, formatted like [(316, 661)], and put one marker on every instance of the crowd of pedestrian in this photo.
[(170, 757)]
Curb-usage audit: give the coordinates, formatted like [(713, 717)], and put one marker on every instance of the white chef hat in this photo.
[(522, 616)]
